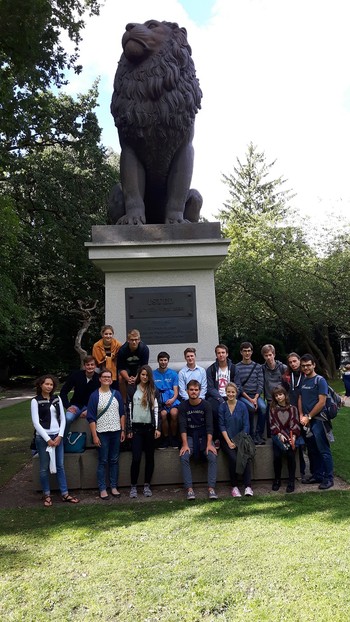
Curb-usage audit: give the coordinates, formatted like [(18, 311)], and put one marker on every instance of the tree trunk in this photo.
[(86, 319)]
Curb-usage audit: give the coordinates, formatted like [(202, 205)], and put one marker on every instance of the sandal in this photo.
[(115, 494), (69, 499), (47, 501)]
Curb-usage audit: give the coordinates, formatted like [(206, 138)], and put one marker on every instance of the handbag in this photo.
[(75, 443)]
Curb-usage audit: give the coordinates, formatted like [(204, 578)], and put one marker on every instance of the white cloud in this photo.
[(274, 72)]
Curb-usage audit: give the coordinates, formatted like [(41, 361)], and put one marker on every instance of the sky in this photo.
[(273, 72)]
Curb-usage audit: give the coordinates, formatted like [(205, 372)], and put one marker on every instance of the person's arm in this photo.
[(246, 423), (211, 389), (237, 379), (182, 385), (98, 353), (67, 387), (144, 354), (59, 438), (36, 423), (119, 399), (96, 441), (203, 382)]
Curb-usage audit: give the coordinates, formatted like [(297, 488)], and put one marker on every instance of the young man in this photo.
[(219, 374), (272, 371), (292, 377), (167, 383), (83, 382), (312, 401), (196, 429), (192, 371), (132, 355), (252, 383)]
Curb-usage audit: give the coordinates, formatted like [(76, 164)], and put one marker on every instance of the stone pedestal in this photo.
[(149, 260)]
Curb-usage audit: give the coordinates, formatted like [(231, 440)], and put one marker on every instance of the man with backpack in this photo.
[(312, 407), (252, 383), (273, 372)]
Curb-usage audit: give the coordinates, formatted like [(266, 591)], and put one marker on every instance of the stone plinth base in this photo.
[(161, 256)]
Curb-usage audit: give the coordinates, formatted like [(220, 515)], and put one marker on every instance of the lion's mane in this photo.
[(157, 99)]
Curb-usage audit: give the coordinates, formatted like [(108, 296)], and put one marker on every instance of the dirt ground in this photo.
[(18, 493)]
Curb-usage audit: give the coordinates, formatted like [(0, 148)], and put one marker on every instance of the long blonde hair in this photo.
[(149, 392)]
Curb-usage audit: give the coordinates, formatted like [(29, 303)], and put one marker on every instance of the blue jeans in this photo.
[(186, 467), (44, 462), (108, 453), (324, 462), (261, 412), (70, 417)]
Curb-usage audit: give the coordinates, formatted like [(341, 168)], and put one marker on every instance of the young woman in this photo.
[(105, 351), (143, 428), (234, 421), (106, 417), (49, 423), (285, 429)]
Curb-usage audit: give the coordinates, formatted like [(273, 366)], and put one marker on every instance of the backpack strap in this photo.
[(250, 373), (107, 406)]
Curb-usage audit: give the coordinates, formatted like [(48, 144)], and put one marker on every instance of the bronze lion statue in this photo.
[(155, 99)]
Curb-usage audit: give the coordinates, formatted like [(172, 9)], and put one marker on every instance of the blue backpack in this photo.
[(333, 401)]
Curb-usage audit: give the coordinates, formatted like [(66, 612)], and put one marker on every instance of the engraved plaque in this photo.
[(162, 314)]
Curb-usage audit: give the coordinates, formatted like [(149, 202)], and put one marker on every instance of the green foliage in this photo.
[(60, 194), (273, 283), (32, 60)]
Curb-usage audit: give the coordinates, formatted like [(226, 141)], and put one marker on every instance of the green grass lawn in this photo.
[(16, 432), (273, 558), (265, 558)]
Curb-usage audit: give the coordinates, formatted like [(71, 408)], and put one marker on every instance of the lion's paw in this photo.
[(131, 220)]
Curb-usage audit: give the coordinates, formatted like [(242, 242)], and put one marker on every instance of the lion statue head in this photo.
[(156, 97)]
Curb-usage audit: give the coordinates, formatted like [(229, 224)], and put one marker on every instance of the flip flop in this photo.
[(69, 499), (116, 494), (47, 501), (104, 498)]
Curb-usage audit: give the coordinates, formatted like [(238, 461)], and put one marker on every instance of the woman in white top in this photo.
[(143, 428), (49, 422), (106, 417)]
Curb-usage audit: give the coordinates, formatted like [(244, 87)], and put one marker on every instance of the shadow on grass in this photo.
[(332, 505)]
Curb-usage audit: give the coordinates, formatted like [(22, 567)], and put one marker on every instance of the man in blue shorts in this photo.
[(311, 404), (167, 383)]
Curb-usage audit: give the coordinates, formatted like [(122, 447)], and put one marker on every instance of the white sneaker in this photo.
[(235, 492), (147, 491), (133, 492), (248, 492)]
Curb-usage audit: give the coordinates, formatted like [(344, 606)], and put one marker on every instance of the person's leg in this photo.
[(44, 461), (149, 455), (212, 469), (291, 463), (173, 426), (164, 443), (113, 458), (247, 475), (277, 466), (185, 465), (261, 412), (315, 459), (61, 475), (70, 417), (215, 410), (232, 459), (136, 448), (323, 447), (102, 461)]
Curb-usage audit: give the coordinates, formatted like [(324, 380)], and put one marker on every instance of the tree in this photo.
[(272, 282), (59, 194), (32, 62)]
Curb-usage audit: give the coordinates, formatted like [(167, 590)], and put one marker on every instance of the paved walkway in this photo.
[(15, 396)]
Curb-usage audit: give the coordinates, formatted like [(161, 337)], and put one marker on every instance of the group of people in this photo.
[(228, 406)]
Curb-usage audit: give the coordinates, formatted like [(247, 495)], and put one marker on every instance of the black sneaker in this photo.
[(276, 484), (290, 487), (325, 484)]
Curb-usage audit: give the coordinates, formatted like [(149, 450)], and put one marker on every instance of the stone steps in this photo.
[(81, 468)]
